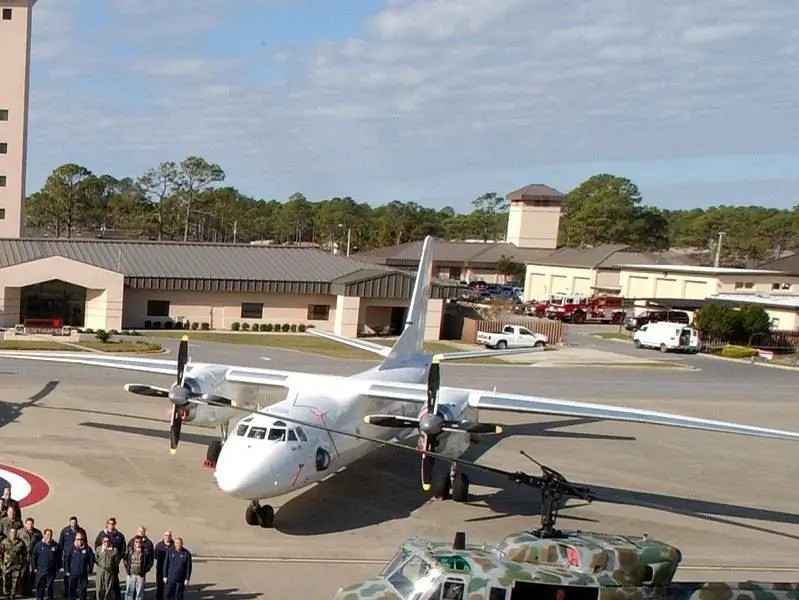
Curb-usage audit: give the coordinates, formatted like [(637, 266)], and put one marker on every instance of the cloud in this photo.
[(486, 92)]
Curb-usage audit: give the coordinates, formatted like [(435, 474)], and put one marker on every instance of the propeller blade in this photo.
[(391, 421), (174, 429), (427, 462), (183, 357), (471, 427), (146, 390), (433, 385)]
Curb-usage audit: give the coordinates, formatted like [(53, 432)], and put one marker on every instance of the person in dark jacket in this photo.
[(6, 500), (78, 565), (31, 536), (138, 563), (47, 556), (66, 540), (161, 549), (146, 543), (177, 570)]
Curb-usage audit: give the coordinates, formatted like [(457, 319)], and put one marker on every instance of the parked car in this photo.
[(655, 316), (512, 336), (667, 337)]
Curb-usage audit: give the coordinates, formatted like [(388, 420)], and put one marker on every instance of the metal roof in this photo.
[(694, 269), (534, 191), (610, 256), (453, 253), (786, 264)]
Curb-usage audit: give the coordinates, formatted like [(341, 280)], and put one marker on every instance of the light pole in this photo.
[(349, 236), (718, 250)]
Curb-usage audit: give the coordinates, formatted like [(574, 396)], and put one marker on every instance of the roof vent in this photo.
[(460, 541)]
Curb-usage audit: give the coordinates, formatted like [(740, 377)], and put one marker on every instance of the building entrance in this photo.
[(51, 301)]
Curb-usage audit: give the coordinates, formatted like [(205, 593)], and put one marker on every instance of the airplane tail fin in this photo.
[(412, 338)]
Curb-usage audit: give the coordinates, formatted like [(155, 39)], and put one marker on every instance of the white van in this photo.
[(666, 336)]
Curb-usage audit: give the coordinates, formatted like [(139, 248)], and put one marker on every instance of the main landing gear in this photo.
[(215, 448), (453, 484), (261, 515)]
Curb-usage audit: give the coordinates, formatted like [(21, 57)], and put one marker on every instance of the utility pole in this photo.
[(718, 249), (349, 238)]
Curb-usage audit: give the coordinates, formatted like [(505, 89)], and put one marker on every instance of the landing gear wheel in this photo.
[(460, 488), (212, 454), (266, 516), (441, 485), (251, 516)]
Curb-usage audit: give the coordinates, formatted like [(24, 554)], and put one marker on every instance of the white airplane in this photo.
[(327, 422)]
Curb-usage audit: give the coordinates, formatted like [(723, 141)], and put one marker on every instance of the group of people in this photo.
[(31, 559)]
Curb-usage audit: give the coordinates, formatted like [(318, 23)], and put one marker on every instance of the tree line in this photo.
[(189, 200)]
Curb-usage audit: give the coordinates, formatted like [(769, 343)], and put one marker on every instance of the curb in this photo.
[(749, 362)]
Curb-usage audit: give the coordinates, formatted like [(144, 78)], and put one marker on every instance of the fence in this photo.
[(554, 330), (779, 342)]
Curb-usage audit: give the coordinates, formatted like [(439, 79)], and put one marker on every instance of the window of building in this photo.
[(2, 181), (3, 148), (775, 324), (780, 286), (744, 285), (158, 308), (6, 14), (3, 114), (2, 214), (318, 312), (252, 310)]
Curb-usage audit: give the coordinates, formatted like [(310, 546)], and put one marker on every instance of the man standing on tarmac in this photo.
[(47, 556), (7, 501), (78, 565), (31, 536), (177, 571), (13, 557), (66, 541), (162, 548)]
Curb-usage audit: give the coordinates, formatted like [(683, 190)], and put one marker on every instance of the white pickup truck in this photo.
[(512, 336)]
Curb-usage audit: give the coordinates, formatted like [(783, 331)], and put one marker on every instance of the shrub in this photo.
[(195, 326), (301, 327), (738, 352), (205, 326), (262, 327), (156, 324), (88, 330), (293, 328), (285, 327), (148, 324), (103, 335), (168, 325), (276, 327), (235, 326), (114, 332), (266, 327), (186, 324), (245, 326)]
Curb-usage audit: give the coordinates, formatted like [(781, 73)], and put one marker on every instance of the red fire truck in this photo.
[(581, 308)]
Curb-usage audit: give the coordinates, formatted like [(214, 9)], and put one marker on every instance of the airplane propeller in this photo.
[(180, 394), (432, 423)]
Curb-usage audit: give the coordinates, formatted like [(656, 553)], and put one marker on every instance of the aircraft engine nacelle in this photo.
[(202, 416)]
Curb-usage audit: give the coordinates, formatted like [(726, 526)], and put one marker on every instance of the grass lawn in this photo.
[(613, 335), (309, 343), (112, 346)]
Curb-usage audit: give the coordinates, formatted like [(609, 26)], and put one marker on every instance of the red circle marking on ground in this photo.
[(39, 488)]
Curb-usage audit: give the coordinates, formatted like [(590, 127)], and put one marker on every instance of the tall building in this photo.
[(534, 216), (15, 55)]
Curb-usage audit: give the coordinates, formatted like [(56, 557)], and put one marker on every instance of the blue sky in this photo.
[(435, 101)]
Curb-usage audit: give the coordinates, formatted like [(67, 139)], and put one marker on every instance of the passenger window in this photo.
[(241, 430), (453, 590), (277, 435), (292, 436), (301, 434), (496, 594), (257, 433)]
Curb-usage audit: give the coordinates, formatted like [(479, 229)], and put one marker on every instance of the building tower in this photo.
[(534, 216), (15, 55)]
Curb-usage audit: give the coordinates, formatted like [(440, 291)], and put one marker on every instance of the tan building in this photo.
[(15, 52), (533, 221), (134, 285), (586, 270)]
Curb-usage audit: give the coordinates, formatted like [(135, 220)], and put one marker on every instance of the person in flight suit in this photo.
[(107, 559), (117, 540), (66, 541), (47, 556), (78, 565), (161, 549), (13, 557), (10, 521), (177, 571), (31, 536), (7, 501)]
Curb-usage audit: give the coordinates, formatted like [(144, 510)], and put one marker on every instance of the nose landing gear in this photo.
[(261, 515)]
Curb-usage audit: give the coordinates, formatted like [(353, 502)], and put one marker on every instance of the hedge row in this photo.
[(177, 325), (269, 327), (738, 352)]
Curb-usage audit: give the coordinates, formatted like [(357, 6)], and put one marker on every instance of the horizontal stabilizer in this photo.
[(466, 354), (364, 345)]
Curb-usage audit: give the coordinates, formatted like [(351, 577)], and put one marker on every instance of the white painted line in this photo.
[(265, 358)]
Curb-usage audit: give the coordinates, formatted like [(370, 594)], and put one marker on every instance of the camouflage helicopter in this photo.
[(547, 563)]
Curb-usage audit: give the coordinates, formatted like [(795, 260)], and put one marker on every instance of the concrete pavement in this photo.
[(723, 500)]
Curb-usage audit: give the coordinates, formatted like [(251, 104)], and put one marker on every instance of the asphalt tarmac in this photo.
[(727, 502)]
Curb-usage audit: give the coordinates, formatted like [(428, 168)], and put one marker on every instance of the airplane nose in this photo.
[(235, 474)]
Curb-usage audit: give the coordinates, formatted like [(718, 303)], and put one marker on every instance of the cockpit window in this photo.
[(257, 433), (241, 430), (277, 434), (301, 434), (409, 578), (292, 436)]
